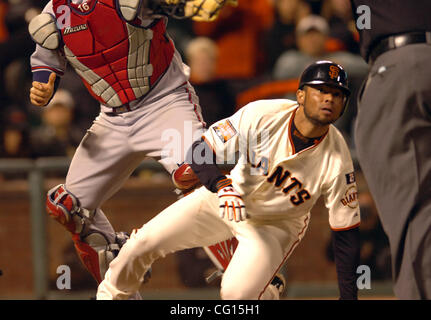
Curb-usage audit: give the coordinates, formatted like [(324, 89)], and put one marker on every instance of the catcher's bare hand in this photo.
[(40, 92)]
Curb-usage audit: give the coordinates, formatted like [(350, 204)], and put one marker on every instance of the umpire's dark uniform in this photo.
[(393, 133)]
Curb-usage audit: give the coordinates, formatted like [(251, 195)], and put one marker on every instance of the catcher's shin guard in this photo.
[(88, 257), (93, 247), (96, 253)]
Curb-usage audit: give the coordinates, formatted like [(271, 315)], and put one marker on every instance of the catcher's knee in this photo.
[(93, 247), (66, 209)]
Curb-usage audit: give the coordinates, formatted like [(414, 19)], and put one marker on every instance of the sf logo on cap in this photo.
[(333, 72)]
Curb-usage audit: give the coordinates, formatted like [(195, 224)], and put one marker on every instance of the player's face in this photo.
[(323, 104)]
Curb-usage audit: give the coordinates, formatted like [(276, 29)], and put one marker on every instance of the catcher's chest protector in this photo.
[(118, 62)]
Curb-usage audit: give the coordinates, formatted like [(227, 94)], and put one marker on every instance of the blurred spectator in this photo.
[(57, 136), (343, 34), (18, 46), (214, 94), (14, 139), (238, 32), (202, 56), (311, 35), (17, 81), (281, 36), (15, 134)]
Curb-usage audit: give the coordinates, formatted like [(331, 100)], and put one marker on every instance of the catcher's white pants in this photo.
[(193, 221)]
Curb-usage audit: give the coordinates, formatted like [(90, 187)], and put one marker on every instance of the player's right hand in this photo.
[(41, 93), (231, 204)]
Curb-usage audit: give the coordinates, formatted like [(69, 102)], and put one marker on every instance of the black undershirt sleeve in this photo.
[(202, 160), (347, 254)]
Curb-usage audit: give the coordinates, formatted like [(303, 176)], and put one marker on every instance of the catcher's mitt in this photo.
[(206, 10), (198, 10)]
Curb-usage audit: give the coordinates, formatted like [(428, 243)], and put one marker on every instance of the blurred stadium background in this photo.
[(254, 51)]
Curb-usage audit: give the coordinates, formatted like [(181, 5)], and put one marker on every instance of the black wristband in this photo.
[(208, 172)]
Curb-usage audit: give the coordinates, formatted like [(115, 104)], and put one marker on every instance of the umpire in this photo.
[(393, 132)]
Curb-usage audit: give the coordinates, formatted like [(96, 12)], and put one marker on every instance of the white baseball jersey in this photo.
[(274, 180), (279, 188)]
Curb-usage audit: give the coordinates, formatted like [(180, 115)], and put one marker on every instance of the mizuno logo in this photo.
[(69, 30)]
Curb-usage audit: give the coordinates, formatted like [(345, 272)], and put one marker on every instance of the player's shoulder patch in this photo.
[(224, 130), (350, 178), (350, 198)]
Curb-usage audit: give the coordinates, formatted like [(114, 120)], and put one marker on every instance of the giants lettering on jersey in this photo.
[(350, 198), (279, 176)]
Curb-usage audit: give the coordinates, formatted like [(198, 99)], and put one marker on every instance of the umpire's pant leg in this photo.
[(392, 135)]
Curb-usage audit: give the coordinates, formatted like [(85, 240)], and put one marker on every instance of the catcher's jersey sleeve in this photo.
[(44, 61), (341, 199)]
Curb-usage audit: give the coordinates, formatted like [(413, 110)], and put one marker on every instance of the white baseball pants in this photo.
[(193, 221)]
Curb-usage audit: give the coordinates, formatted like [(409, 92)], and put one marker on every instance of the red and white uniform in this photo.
[(134, 70), (118, 61)]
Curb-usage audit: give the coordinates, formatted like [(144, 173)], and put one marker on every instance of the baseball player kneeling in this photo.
[(287, 155)]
